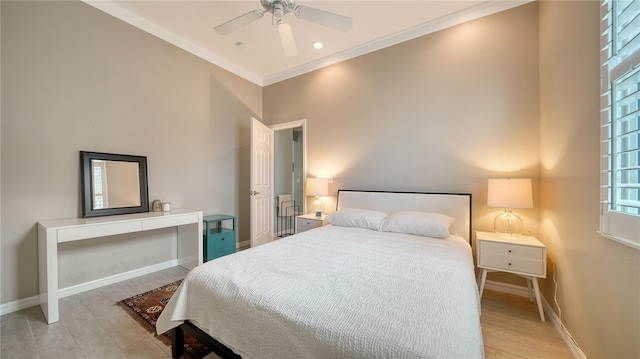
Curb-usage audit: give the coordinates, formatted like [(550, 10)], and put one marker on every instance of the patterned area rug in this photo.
[(146, 307)]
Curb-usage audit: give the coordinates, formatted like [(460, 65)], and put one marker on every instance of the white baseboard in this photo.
[(19, 304), (243, 244), (555, 320), (83, 287), (564, 333)]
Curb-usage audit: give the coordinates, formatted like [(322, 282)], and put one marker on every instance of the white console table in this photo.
[(50, 233)]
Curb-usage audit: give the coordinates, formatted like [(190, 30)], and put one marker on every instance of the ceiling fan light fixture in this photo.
[(286, 37), (278, 10)]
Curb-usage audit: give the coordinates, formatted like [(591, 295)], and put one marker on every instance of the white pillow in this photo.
[(358, 218), (420, 223)]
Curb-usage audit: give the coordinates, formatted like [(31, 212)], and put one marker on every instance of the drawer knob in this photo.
[(509, 263), (509, 250)]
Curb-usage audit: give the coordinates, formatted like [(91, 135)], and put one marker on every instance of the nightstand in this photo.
[(309, 221), (523, 256), (219, 236)]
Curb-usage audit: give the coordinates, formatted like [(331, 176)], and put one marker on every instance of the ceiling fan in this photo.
[(278, 8)]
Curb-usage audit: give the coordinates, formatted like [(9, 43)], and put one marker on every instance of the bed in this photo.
[(384, 280)]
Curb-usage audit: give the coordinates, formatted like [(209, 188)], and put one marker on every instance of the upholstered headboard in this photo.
[(455, 205)]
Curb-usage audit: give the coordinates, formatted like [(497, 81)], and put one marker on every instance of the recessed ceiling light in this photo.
[(241, 45), (318, 45)]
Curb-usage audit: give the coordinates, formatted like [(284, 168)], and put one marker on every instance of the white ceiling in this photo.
[(376, 24)]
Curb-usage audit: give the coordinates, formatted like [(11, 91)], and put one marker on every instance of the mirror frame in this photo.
[(87, 195)]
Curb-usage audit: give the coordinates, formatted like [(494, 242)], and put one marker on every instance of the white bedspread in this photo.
[(336, 292)]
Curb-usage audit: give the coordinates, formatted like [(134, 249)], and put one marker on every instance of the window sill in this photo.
[(621, 240)]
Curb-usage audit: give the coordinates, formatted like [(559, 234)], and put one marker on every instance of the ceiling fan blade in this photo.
[(324, 18), (286, 37), (240, 21)]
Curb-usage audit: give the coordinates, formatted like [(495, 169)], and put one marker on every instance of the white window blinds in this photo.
[(620, 122)]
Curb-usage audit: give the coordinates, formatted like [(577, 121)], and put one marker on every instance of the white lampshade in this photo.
[(317, 187), (510, 193)]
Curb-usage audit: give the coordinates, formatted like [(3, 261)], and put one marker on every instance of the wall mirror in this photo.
[(113, 184)]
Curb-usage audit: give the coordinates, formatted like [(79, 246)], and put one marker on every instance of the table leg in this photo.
[(190, 246), (530, 291), (48, 273), (483, 278), (537, 289)]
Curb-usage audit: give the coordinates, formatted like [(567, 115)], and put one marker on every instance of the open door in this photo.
[(261, 183)]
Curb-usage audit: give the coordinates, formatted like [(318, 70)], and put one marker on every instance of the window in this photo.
[(620, 122)]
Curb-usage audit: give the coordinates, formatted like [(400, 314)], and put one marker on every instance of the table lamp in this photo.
[(317, 187), (509, 193)]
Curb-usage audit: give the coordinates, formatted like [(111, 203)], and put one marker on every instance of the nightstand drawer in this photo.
[(307, 222), (305, 225), (515, 250), (532, 266)]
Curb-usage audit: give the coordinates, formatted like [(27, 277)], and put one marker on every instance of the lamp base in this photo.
[(508, 224), (318, 207)]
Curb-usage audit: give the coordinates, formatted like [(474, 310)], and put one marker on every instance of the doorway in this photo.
[(288, 178)]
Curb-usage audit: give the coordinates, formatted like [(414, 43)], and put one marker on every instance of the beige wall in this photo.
[(598, 279), (443, 112), (75, 78)]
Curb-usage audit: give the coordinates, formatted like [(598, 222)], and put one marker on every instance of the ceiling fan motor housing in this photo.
[(278, 6)]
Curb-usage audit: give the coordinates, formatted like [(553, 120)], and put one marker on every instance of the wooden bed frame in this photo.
[(455, 205), (177, 342)]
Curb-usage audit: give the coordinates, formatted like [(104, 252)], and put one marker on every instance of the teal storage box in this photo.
[(219, 236)]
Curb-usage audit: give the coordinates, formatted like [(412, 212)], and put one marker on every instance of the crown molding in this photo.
[(134, 19)]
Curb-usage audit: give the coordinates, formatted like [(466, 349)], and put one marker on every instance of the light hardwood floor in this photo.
[(91, 326), (511, 328)]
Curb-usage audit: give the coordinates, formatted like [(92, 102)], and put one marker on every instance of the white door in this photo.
[(261, 183)]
